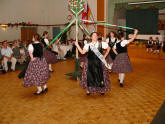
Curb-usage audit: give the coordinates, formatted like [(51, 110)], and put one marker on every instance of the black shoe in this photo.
[(102, 94), (81, 67), (20, 76), (51, 71), (3, 71), (45, 90), (88, 94), (121, 85), (36, 93)]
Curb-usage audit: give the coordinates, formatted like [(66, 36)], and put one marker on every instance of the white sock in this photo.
[(50, 67), (45, 86), (119, 76), (122, 77), (39, 89)]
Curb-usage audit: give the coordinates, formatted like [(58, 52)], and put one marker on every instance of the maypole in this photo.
[(76, 7)]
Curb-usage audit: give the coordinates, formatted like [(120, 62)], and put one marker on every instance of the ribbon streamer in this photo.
[(106, 24), (61, 32)]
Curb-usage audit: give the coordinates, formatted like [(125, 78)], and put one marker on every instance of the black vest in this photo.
[(121, 49), (111, 44), (150, 42), (43, 42), (156, 42), (38, 50)]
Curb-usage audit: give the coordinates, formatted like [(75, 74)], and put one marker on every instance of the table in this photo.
[(66, 48)]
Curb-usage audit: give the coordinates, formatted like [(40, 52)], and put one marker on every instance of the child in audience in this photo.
[(157, 45), (149, 45)]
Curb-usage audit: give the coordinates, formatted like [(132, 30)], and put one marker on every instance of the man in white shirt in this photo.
[(7, 54)]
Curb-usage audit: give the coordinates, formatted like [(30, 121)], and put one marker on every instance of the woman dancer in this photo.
[(83, 57), (111, 42), (94, 77), (122, 63), (49, 56), (37, 73)]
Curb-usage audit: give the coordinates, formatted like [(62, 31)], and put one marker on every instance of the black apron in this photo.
[(95, 70), (111, 44)]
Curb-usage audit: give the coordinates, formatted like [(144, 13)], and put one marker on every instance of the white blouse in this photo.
[(31, 48), (123, 43), (85, 42), (112, 39), (46, 41), (86, 46)]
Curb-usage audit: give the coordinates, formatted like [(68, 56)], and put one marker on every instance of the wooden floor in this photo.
[(67, 103), (140, 52)]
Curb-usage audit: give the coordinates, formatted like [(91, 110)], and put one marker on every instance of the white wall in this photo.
[(36, 11)]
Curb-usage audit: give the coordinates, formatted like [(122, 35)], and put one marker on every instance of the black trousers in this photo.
[(22, 73)]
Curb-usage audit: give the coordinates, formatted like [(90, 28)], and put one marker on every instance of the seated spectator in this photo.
[(20, 43), (56, 48), (2, 69), (7, 55), (0, 54), (22, 55), (163, 45), (16, 51)]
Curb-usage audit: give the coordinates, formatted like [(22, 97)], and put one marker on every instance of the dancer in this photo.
[(85, 39), (157, 45), (83, 57), (111, 42), (37, 73), (49, 56), (122, 63), (94, 77), (149, 44)]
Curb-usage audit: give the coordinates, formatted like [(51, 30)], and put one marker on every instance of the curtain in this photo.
[(145, 20), (142, 6)]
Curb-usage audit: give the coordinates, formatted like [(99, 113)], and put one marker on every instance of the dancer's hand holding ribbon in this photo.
[(76, 43), (136, 31)]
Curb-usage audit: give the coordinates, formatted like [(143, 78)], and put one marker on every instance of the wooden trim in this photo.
[(100, 15)]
